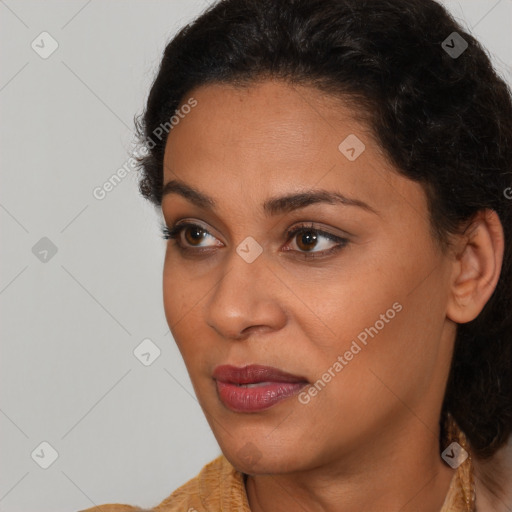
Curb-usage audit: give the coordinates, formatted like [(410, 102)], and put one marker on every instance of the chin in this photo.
[(252, 461), (263, 443), (255, 455)]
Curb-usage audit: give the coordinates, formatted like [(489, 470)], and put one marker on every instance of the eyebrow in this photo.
[(272, 206)]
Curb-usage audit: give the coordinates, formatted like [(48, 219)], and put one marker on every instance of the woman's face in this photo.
[(353, 306)]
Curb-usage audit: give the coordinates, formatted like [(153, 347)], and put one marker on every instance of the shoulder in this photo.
[(217, 486)]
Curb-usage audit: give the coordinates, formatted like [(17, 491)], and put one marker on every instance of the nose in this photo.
[(247, 299)]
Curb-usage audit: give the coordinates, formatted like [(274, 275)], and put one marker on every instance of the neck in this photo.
[(492, 480), (407, 475)]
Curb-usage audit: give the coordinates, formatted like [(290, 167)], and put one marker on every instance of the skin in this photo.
[(369, 439)]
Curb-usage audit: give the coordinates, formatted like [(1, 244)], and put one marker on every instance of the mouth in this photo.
[(255, 388)]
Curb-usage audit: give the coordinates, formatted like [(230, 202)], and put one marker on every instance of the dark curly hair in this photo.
[(444, 120)]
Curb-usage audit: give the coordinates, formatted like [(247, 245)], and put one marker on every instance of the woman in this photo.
[(335, 178)]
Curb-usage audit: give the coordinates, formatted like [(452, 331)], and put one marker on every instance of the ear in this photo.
[(477, 266)]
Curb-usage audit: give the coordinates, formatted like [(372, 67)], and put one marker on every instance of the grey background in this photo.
[(124, 432)]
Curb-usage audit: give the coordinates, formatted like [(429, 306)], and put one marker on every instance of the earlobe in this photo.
[(477, 266)]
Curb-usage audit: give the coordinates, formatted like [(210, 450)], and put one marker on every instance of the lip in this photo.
[(255, 388)]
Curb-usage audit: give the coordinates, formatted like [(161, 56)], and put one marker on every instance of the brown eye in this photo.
[(311, 242), (307, 240), (194, 234)]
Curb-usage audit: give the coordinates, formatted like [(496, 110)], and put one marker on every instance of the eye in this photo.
[(311, 238), (193, 236), (312, 243)]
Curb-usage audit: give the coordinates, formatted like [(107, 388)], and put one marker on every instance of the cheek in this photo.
[(347, 307), (181, 299), (386, 318), (390, 344), (183, 289), (184, 297)]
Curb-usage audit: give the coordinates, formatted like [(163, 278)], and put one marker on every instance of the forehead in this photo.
[(272, 137), (266, 114)]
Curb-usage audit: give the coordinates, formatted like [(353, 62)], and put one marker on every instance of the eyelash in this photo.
[(174, 234)]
